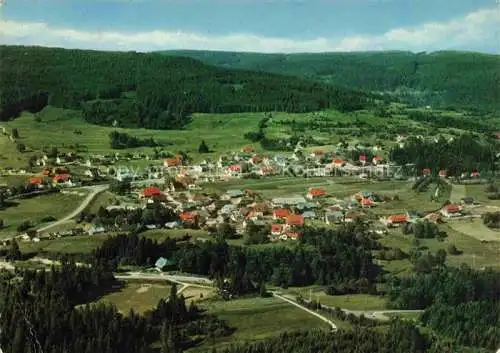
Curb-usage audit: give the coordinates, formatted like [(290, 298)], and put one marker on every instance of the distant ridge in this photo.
[(439, 78)]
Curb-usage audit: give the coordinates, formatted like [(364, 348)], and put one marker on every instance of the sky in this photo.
[(270, 26)]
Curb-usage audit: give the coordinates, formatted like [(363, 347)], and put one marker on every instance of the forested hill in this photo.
[(150, 90), (446, 78)]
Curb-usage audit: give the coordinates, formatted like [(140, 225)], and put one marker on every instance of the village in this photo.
[(185, 190)]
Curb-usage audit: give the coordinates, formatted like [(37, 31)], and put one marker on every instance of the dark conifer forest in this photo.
[(150, 90)]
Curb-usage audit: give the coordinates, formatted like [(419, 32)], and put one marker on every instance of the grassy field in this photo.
[(259, 318), (162, 234), (458, 191), (55, 205), (137, 296), (357, 302), (475, 228), (474, 252), (197, 294), (104, 199), (221, 132), (9, 155), (339, 188), (76, 244)]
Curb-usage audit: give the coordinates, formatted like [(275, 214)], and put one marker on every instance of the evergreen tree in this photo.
[(14, 251), (203, 148)]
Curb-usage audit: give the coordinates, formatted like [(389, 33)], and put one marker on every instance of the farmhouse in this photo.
[(315, 193), (396, 220), (171, 162), (377, 160), (451, 210), (187, 217), (281, 213), (443, 173), (37, 181), (151, 191), (337, 163), (276, 229), (367, 202)]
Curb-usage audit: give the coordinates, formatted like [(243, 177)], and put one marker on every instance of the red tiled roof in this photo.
[(426, 171), (317, 192), (234, 168), (61, 177), (377, 158), (281, 213), (171, 162), (151, 191), (362, 157), (338, 161), (35, 181), (398, 218), (442, 173), (295, 220), (366, 201), (247, 149), (276, 228), (186, 216), (452, 208)]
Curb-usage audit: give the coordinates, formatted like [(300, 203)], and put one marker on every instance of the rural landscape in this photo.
[(202, 201)]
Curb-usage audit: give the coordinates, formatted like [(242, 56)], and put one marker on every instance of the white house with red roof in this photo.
[(281, 213), (443, 173), (276, 229), (315, 193), (451, 210), (377, 160), (234, 170)]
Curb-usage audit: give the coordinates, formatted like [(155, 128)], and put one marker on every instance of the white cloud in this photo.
[(477, 30)]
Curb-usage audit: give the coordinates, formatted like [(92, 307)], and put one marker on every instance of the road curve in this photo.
[(319, 316), (201, 282), (95, 190)]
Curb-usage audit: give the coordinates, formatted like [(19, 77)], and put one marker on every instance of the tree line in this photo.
[(40, 313), (122, 140), (463, 153), (441, 79), (460, 303), (150, 90), (341, 257), (401, 337)]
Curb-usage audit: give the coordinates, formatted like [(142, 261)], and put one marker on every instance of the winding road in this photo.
[(95, 190), (309, 311)]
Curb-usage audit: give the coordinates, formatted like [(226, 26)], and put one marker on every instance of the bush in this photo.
[(452, 250), (24, 226), (48, 219)]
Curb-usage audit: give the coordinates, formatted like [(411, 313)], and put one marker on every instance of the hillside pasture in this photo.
[(34, 209), (221, 132), (258, 318), (139, 297)]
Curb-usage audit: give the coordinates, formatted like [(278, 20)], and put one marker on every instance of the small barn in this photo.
[(163, 264)]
